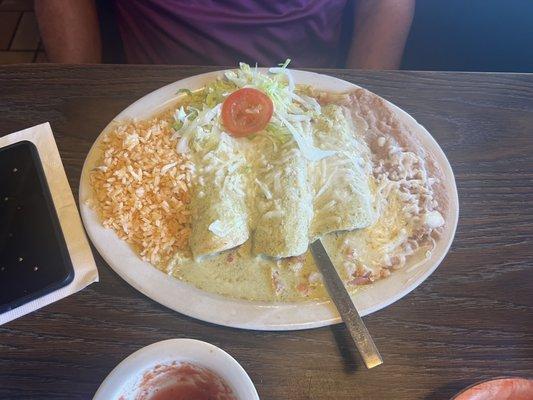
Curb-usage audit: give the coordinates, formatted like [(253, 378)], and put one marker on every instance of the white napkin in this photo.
[(85, 271)]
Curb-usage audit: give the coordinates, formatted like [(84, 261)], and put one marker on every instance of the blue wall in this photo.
[(471, 35)]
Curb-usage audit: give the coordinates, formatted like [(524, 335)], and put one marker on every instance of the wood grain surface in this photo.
[(471, 320)]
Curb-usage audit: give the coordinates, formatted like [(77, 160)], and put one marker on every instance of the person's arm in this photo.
[(69, 30), (380, 31)]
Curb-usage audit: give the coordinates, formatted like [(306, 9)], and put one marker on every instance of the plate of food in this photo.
[(205, 194)]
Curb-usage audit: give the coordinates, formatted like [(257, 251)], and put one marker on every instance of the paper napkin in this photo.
[(85, 271)]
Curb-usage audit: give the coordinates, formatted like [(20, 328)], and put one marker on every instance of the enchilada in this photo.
[(218, 203)]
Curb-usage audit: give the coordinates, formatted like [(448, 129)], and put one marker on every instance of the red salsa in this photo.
[(183, 381)]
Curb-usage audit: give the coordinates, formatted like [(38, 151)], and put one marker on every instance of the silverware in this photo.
[(340, 296)]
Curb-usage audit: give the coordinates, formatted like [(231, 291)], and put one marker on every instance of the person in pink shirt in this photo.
[(368, 34)]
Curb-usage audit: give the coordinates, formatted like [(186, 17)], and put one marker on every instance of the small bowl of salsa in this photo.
[(504, 388), (178, 369)]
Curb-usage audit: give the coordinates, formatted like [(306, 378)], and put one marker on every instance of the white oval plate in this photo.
[(189, 300), (124, 379)]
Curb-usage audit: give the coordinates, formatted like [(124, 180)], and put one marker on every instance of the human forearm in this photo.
[(381, 28), (69, 30)]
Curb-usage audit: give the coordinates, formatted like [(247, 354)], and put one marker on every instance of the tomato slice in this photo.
[(246, 111)]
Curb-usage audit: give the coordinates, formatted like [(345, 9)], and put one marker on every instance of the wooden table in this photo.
[(471, 320)]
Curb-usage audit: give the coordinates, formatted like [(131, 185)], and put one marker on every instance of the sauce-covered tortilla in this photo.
[(282, 200), (218, 204)]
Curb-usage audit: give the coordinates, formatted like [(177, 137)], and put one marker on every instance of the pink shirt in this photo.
[(224, 32)]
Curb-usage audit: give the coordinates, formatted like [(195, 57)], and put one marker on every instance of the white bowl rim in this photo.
[(167, 351)]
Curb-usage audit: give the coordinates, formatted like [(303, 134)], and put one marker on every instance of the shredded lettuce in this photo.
[(180, 114), (278, 132), (290, 109), (217, 91), (308, 150), (188, 92)]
